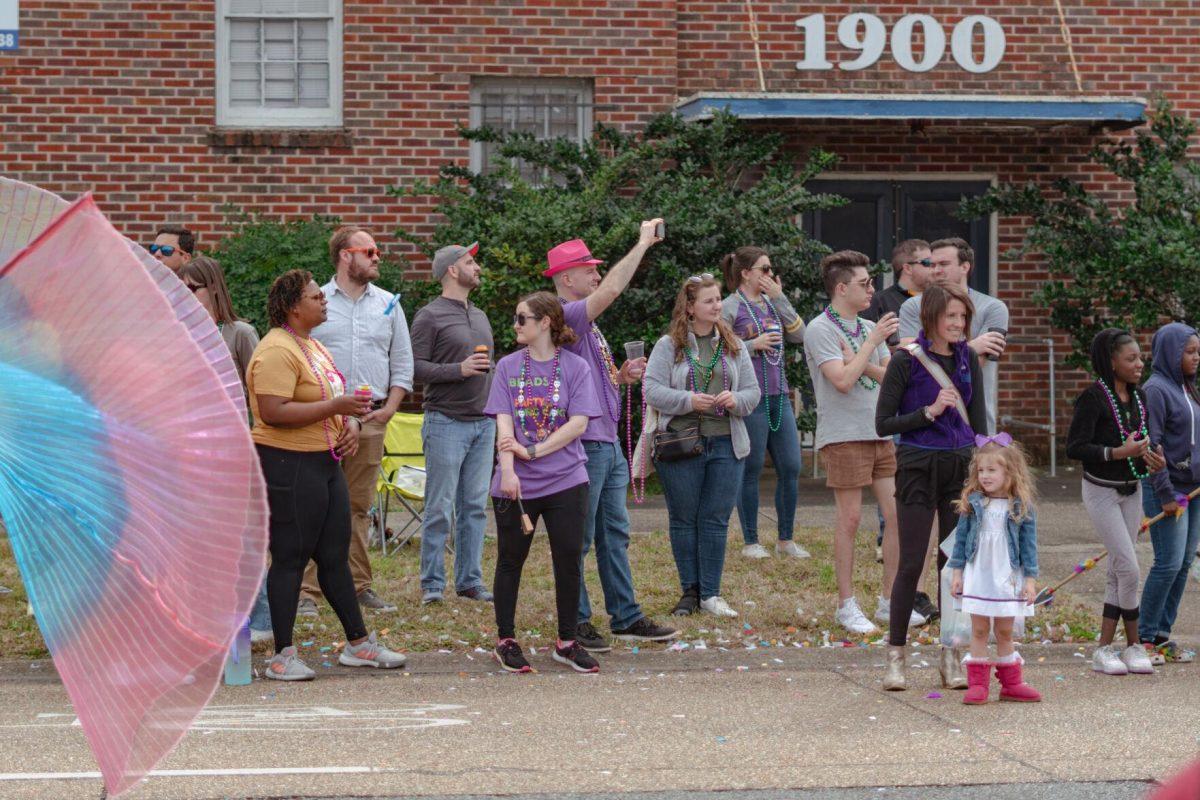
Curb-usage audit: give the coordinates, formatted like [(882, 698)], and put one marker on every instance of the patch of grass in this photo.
[(766, 593)]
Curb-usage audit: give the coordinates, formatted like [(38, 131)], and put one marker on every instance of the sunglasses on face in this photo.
[(765, 270), (924, 262), (166, 249), (520, 319), (703, 276), (369, 252), (195, 287)]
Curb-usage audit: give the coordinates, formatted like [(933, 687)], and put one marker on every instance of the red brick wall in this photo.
[(116, 97)]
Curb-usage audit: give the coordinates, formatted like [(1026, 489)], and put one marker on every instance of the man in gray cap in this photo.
[(452, 354)]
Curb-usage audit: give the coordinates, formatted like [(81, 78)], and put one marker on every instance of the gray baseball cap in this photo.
[(447, 255)]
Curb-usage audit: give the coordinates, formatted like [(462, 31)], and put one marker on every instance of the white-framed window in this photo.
[(546, 107), (279, 63)]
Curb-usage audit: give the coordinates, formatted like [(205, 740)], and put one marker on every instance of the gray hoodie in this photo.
[(1174, 417)]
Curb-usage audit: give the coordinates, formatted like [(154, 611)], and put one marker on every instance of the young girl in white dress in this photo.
[(995, 564)]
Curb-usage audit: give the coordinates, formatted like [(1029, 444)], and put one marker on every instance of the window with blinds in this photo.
[(548, 108), (279, 63)]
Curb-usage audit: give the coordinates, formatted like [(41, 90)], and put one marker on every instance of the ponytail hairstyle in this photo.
[(735, 263), (681, 324), (1020, 488), (544, 304)]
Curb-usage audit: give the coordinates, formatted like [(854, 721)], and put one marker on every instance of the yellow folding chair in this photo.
[(401, 479)]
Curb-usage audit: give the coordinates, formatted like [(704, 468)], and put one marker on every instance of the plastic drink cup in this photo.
[(635, 350), (363, 390)]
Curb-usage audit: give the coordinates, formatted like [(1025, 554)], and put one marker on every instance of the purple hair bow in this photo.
[(1003, 439)]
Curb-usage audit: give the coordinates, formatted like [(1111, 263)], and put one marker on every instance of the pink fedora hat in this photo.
[(568, 255)]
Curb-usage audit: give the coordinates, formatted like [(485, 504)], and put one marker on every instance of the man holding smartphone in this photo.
[(585, 296)]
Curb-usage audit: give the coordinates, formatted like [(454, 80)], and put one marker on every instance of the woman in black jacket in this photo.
[(1109, 435)]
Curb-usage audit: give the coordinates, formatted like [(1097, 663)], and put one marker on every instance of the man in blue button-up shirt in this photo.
[(367, 335)]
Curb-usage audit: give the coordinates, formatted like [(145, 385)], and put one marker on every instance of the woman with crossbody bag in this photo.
[(930, 396), (700, 384)]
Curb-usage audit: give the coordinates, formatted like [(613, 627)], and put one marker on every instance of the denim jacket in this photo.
[(1022, 538)]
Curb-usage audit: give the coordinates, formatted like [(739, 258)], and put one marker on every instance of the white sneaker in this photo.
[(883, 614), (370, 653), (1106, 660), (790, 548), (717, 606), (755, 550), (851, 617), (1136, 660)]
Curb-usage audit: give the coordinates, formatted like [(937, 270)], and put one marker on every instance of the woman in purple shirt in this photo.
[(542, 397), (937, 437)]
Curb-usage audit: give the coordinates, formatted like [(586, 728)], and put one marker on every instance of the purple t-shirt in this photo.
[(563, 468), (745, 327), (592, 349)]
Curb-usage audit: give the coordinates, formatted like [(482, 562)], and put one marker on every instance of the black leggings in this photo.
[(565, 513), (310, 519), (927, 483)]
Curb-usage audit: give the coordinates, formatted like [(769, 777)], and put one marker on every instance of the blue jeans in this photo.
[(698, 505), (784, 446), (1174, 541), (608, 529), (458, 471), (260, 612)]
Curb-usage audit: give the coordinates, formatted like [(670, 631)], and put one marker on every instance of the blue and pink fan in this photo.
[(128, 480)]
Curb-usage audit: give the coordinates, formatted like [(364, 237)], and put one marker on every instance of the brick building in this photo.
[(169, 110)]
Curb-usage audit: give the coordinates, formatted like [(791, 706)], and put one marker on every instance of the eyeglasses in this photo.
[(924, 262), (369, 252), (166, 249), (766, 269), (195, 287), (520, 319), (703, 276)]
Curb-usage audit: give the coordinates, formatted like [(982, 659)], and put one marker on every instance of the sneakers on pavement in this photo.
[(508, 654), (286, 666), (1172, 652), (851, 617), (1106, 660), (755, 550), (883, 614), (370, 653), (925, 607), (717, 606), (576, 658), (590, 639), (1137, 660), (476, 593), (373, 602), (790, 548), (689, 603), (307, 607), (1157, 659), (431, 596), (644, 630)]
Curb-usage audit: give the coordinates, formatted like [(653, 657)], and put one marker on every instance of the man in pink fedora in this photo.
[(585, 296)]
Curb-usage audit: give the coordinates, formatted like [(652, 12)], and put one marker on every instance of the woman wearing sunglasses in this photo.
[(205, 278), (701, 383), (542, 397), (305, 422), (759, 312)]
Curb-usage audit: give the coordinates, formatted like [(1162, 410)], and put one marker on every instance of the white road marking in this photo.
[(198, 773)]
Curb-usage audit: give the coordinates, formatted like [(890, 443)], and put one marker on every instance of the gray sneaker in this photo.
[(476, 593), (307, 607), (431, 596), (373, 602), (370, 654), (286, 666)]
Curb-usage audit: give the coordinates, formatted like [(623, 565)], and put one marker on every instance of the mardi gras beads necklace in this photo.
[(772, 356), (542, 413), (852, 336), (322, 377), (1112, 405), (706, 372)]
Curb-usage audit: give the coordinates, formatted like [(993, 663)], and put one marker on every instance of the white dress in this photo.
[(991, 585)]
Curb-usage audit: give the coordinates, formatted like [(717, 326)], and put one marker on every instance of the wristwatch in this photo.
[(928, 415), (532, 449)]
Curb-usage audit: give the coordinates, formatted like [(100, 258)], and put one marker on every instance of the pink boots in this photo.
[(1013, 686), (979, 675)]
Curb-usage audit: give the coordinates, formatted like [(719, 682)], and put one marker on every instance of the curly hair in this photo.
[(1019, 486), (544, 304), (285, 294), (680, 323)]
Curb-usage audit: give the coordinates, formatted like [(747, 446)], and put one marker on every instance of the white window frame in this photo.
[(228, 116), (514, 84)]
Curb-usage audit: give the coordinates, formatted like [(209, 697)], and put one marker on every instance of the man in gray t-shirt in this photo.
[(952, 260)]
